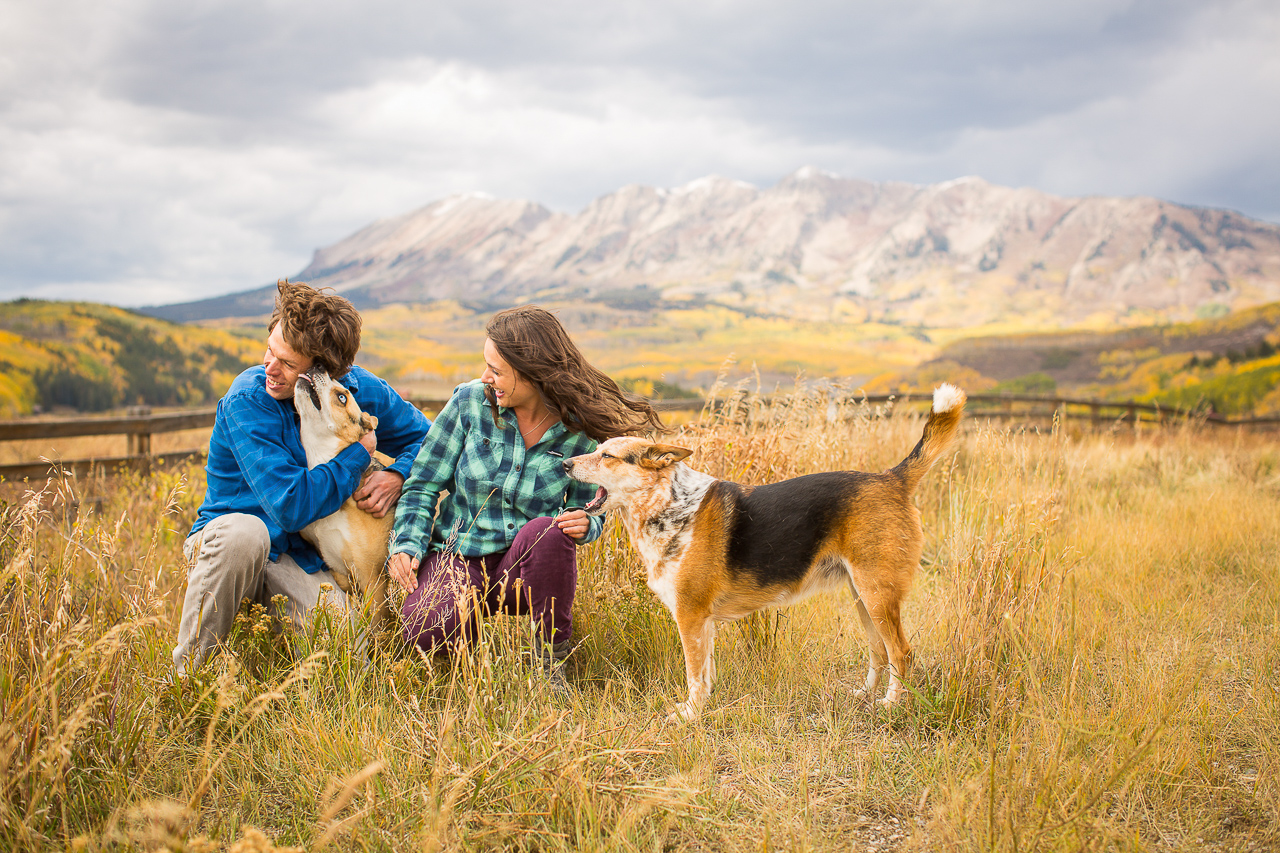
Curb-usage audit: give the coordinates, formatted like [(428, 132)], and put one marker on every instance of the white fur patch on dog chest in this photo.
[(664, 587)]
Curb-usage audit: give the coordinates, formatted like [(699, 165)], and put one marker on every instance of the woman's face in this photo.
[(510, 388)]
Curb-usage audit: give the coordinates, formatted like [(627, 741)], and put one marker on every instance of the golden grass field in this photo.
[(1097, 628)]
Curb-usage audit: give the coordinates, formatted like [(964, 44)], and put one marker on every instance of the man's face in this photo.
[(283, 365)]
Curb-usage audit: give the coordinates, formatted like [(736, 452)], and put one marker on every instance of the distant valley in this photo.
[(77, 356)]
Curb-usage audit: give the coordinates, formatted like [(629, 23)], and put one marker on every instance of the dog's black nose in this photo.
[(567, 465)]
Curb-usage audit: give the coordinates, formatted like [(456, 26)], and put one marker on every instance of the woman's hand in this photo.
[(574, 523), (404, 569)]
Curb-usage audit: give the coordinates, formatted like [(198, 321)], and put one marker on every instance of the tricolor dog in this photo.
[(352, 542), (716, 551)]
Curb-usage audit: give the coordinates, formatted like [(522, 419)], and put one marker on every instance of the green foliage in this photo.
[(95, 357), (1212, 311), (655, 389), (156, 371), (1223, 361), (1058, 358), (1031, 383), (1237, 392), (1263, 349), (66, 386)]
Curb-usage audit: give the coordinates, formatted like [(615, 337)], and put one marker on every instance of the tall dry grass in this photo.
[(1095, 623)]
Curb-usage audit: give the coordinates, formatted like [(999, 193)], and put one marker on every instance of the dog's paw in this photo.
[(685, 712), (863, 695)]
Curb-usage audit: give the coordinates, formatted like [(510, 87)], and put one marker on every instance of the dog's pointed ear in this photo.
[(368, 422), (662, 455)]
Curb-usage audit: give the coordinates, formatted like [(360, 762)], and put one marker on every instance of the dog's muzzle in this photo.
[(596, 505), (305, 379)]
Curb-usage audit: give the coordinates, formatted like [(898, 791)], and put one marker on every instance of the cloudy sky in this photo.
[(153, 151)]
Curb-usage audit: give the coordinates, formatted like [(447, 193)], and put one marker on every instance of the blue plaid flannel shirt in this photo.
[(257, 465)]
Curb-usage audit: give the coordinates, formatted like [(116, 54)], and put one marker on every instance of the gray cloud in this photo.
[(154, 151)]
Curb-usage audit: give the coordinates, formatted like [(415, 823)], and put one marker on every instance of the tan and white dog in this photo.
[(716, 551), (352, 542)]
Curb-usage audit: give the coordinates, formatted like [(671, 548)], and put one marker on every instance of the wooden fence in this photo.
[(139, 425)]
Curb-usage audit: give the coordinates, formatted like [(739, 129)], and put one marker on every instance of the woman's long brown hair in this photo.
[(538, 348)]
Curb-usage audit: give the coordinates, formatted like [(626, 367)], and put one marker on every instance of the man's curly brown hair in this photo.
[(318, 324)]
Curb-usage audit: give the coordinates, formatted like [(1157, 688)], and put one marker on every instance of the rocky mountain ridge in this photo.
[(814, 246)]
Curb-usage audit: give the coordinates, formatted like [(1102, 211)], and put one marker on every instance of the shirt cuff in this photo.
[(402, 466), (354, 457)]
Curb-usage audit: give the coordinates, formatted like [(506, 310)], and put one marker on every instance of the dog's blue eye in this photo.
[(342, 398), (607, 456)]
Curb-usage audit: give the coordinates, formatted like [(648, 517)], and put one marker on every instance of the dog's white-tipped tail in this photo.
[(939, 432), (947, 397)]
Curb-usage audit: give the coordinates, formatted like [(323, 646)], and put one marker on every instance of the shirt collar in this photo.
[(350, 380)]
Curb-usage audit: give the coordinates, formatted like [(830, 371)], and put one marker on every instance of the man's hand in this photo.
[(379, 492), (369, 441), (404, 569), (574, 523)]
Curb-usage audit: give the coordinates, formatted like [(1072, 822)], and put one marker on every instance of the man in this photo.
[(244, 543)]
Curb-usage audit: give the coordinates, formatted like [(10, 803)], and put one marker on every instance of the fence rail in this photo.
[(139, 424)]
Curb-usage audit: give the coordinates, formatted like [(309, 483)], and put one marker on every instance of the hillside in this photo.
[(814, 247), (95, 357), (431, 347), (1229, 364)]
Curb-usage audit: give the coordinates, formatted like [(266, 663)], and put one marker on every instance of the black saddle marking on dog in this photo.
[(776, 529)]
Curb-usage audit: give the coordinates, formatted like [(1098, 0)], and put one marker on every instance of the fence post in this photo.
[(139, 442), (1133, 416)]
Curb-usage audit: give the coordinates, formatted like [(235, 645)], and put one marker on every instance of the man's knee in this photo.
[(232, 540)]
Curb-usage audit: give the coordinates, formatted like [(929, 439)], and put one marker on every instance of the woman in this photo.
[(506, 533)]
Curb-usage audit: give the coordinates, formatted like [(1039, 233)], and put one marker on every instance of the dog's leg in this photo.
[(698, 637), (379, 604), (879, 657), (881, 619), (889, 622), (711, 657)]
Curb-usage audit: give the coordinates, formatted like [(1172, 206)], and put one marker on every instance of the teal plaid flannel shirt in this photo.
[(495, 485)]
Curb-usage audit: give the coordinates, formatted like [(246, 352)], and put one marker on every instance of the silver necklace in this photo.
[(525, 433)]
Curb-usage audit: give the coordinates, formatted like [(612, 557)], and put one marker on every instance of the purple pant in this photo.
[(537, 575)]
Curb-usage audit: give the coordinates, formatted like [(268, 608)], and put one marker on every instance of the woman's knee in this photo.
[(426, 624), (545, 560), (542, 533), (433, 613)]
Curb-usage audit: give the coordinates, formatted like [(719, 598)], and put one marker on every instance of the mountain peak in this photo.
[(960, 252)]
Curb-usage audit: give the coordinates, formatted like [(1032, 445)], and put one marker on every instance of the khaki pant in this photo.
[(228, 562)]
